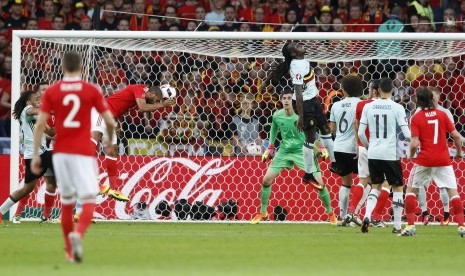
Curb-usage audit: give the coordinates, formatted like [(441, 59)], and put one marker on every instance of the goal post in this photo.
[(188, 152)]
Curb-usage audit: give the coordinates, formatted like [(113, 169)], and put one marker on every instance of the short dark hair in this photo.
[(385, 84), (157, 91), (37, 86), (424, 97), (352, 85), (375, 84), (71, 61), (286, 91)]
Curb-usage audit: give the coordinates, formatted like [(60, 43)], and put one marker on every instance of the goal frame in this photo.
[(18, 35)]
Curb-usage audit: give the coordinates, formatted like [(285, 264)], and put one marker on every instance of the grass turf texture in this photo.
[(231, 249)]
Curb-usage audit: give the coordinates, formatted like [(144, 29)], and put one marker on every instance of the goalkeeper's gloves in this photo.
[(269, 153), (322, 153)]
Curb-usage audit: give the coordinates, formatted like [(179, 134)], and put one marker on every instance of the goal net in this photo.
[(182, 162)]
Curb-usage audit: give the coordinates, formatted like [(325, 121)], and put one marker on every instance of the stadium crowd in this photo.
[(216, 94)]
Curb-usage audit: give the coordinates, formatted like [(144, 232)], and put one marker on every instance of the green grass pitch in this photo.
[(131, 249)]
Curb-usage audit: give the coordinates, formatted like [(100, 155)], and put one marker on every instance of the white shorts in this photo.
[(444, 177), (99, 125), (76, 175), (363, 171)]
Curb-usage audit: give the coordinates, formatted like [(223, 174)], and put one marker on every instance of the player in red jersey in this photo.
[(361, 190), (145, 99), (429, 130), (71, 101)]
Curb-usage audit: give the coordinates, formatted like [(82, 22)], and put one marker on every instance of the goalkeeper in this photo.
[(289, 154)]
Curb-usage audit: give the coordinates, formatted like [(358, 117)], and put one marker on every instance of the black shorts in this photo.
[(313, 113), (46, 162), (346, 163), (386, 169)]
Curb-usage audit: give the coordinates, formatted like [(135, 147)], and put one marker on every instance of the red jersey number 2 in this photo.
[(72, 99)]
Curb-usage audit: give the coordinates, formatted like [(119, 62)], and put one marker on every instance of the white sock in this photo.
[(344, 193), (398, 208), (366, 192), (308, 157), (327, 141), (7, 205), (371, 202), (422, 199), (444, 199)]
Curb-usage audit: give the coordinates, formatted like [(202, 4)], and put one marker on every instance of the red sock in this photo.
[(410, 207), (22, 202), (67, 223), (111, 164), (357, 193), (49, 199), (85, 219), (378, 212), (457, 206)]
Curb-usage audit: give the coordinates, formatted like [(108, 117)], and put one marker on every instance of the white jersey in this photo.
[(303, 74), (445, 110), (382, 117), (27, 128), (343, 114)]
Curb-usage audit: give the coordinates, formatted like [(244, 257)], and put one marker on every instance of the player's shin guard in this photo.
[(398, 208), (85, 219), (357, 193), (371, 202), (326, 198), (444, 199), (457, 208), (378, 212), (307, 149), (67, 223), (344, 193), (410, 207), (422, 199), (264, 197), (111, 165), (327, 141), (49, 201)]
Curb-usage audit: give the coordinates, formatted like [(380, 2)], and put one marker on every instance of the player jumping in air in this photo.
[(429, 131), (26, 110), (305, 104), (288, 155), (381, 117), (145, 99), (345, 148), (71, 101)]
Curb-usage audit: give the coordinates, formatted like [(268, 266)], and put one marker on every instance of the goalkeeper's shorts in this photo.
[(285, 160)]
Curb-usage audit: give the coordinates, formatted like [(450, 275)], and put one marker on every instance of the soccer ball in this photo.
[(254, 149), (168, 91)]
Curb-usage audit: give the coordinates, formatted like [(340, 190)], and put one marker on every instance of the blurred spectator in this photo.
[(216, 17), (154, 24), (422, 8), (45, 22), (85, 24), (284, 28), (338, 26), (412, 24), (424, 25), (342, 10), (32, 24), (373, 15), (248, 14), (200, 17), (16, 20), (325, 20), (58, 23), (356, 22), (187, 10), (402, 93), (78, 15), (123, 25), (109, 21), (170, 18), (279, 15), (98, 15), (67, 11), (155, 7), (109, 73), (245, 129), (430, 77), (230, 24), (259, 17), (138, 21), (450, 24), (310, 11)]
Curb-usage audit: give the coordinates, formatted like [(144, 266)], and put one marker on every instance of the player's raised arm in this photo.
[(38, 133)]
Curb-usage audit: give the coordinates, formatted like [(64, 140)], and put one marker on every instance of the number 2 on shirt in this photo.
[(76, 102)]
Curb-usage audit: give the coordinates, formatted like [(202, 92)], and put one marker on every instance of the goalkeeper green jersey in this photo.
[(292, 139)]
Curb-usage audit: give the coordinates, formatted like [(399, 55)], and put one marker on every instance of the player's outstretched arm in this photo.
[(146, 107), (38, 133)]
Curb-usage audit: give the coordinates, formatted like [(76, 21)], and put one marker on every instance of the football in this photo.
[(254, 149), (168, 91)]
